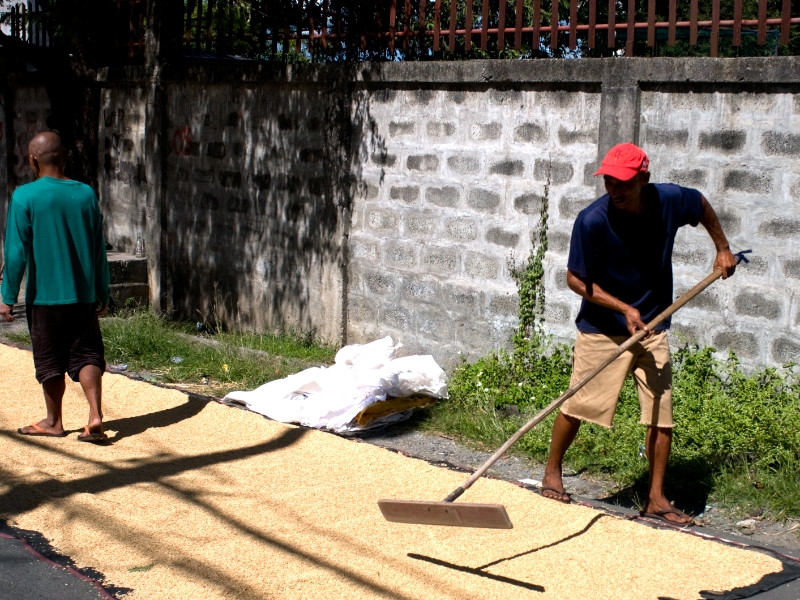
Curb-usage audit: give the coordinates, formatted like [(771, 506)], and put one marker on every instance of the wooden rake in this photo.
[(494, 516)]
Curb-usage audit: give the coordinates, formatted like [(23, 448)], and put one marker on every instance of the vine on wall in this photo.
[(530, 287)]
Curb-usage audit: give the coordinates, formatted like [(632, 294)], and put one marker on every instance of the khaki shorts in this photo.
[(648, 361)]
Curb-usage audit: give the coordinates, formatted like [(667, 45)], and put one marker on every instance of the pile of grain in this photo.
[(225, 504)]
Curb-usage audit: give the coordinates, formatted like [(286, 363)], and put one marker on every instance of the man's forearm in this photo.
[(594, 293), (13, 272), (102, 280), (597, 295), (102, 277), (17, 250)]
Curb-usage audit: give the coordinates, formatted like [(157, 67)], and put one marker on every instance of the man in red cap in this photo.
[(620, 263)]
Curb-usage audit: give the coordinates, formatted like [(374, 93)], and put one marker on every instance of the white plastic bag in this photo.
[(417, 374), (331, 398), (368, 356)]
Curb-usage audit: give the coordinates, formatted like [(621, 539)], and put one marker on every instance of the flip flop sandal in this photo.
[(88, 436), (41, 432), (562, 492), (660, 515)]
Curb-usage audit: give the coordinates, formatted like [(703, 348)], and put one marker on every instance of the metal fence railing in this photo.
[(25, 23), (319, 30), (124, 25), (130, 26), (427, 27)]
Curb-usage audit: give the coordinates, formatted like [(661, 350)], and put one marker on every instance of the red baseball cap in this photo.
[(623, 162)]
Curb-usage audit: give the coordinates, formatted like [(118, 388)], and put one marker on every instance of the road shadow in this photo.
[(130, 426), (687, 484), (477, 571), (24, 497), (790, 572), (481, 571)]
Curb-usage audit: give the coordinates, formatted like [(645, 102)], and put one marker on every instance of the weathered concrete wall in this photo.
[(740, 148), (121, 154), (122, 172), (361, 200), (451, 186), (21, 118), (729, 128), (31, 109), (253, 230)]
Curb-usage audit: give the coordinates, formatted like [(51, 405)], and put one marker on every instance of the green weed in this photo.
[(289, 345), (147, 342), (143, 569), (744, 489), (18, 337), (733, 429)]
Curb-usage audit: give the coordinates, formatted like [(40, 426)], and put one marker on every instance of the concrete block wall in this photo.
[(361, 200), (729, 128), (449, 190), (741, 149), (122, 172), (129, 280), (31, 109), (253, 232)]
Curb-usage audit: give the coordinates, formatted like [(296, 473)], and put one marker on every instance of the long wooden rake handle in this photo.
[(571, 391)]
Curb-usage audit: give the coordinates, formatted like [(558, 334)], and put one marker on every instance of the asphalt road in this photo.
[(24, 576), (788, 591)]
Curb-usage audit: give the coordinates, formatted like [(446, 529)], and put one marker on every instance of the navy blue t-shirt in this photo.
[(630, 256)]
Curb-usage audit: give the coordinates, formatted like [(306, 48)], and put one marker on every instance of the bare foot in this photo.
[(95, 426), (553, 488), (43, 428)]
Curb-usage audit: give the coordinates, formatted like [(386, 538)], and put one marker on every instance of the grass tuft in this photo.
[(147, 342)]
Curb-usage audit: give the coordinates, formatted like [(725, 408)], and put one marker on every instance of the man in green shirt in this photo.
[(55, 230)]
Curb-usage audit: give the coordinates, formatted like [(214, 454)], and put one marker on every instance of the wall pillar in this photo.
[(158, 44), (619, 117)]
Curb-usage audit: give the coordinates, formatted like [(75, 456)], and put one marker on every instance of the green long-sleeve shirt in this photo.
[(55, 228)]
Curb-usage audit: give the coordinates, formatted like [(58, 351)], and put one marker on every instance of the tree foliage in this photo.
[(359, 28)]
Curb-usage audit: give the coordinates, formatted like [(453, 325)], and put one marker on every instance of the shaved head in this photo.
[(47, 149)]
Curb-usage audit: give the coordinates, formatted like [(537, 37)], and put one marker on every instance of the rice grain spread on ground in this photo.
[(226, 504)]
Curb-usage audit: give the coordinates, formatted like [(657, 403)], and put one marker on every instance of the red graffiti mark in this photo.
[(182, 141)]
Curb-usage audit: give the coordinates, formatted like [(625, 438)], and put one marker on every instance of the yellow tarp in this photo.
[(226, 504), (390, 406)]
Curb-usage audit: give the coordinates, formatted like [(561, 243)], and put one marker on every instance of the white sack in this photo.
[(332, 397), (368, 356), (417, 374)]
